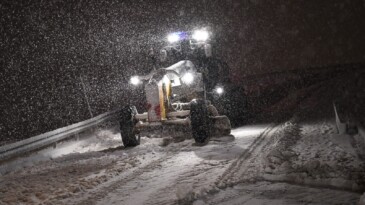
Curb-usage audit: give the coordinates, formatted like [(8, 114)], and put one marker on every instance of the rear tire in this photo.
[(200, 121), (126, 125)]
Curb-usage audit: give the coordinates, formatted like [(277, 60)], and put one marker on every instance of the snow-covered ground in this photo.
[(98, 170)]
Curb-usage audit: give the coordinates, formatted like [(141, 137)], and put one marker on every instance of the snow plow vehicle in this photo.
[(177, 95)]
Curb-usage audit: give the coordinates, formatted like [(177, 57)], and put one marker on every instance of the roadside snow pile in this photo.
[(307, 148), (313, 154), (90, 141)]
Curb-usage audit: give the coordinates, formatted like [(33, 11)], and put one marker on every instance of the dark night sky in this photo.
[(46, 45)]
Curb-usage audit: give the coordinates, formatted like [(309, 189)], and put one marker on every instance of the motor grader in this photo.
[(176, 95)]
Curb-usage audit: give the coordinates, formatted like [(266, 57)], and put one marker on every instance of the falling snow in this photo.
[(46, 46)]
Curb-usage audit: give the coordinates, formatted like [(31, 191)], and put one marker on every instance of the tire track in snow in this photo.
[(196, 179), (201, 178), (121, 184), (99, 193), (236, 169), (163, 182), (157, 185), (279, 193)]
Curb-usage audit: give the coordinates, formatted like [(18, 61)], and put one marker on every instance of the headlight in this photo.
[(173, 38), (188, 78), (135, 80), (219, 90), (200, 35)]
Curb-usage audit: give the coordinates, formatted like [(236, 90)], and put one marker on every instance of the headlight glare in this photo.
[(135, 80), (200, 35), (219, 90), (188, 78), (173, 38)]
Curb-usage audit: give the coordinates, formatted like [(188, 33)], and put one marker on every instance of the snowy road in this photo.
[(181, 172), (96, 171)]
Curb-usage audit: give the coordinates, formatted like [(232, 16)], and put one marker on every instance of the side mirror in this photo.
[(163, 55), (208, 50)]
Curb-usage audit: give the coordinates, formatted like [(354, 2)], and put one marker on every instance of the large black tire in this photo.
[(200, 121), (126, 125)]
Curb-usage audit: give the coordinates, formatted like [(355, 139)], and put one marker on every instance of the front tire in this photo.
[(126, 125), (200, 121)]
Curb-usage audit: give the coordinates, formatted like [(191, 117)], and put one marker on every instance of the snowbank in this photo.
[(307, 149), (88, 142), (314, 154)]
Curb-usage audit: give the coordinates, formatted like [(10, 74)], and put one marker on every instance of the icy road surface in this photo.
[(97, 170)]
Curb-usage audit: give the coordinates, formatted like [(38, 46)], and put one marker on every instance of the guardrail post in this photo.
[(86, 98), (341, 127)]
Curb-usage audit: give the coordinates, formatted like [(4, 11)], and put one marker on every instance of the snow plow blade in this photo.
[(221, 126)]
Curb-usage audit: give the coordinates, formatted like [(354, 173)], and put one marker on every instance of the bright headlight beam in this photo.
[(135, 80), (188, 78), (173, 38), (219, 90), (200, 35)]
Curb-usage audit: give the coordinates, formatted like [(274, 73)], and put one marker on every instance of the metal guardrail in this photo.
[(48, 138)]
